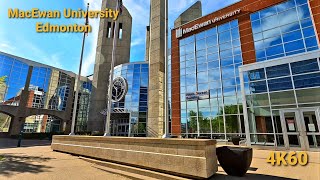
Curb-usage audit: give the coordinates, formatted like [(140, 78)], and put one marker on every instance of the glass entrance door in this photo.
[(292, 130), (300, 128), (312, 126)]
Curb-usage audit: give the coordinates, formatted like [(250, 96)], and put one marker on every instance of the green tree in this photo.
[(204, 122), (232, 125), (232, 120), (192, 125), (3, 80), (217, 125)]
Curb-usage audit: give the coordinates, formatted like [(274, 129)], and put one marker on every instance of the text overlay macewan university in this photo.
[(180, 32), (36, 13)]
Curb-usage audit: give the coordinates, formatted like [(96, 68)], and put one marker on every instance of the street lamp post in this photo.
[(77, 83), (115, 36), (166, 123)]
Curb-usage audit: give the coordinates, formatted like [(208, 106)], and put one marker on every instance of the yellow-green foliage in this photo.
[(3, 80)]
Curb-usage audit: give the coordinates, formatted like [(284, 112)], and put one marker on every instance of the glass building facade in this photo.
[(282, 99), (209, 62), (281, 96), (283, 30), (263, 88), (15, 73), (135, 101), (49, 89)]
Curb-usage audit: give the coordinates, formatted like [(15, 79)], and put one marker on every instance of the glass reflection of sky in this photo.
[(283, 30), (16, 73), (209, 61)]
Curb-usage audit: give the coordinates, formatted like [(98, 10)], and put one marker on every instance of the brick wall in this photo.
[(315, 9)]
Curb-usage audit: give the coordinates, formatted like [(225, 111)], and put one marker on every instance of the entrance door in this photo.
[(311, 122), (300, 128)]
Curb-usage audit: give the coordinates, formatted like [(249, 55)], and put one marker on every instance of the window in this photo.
[(278, 71), (283, 30), (211, 62), (120, 31), (109, 30)]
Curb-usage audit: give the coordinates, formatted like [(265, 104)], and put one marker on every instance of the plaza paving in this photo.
[(40, 162)]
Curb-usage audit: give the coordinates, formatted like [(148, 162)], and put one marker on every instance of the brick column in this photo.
[(315, 11), (175, 85)]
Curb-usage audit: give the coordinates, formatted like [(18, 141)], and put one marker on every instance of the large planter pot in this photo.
[(235, 161), (236, 140)]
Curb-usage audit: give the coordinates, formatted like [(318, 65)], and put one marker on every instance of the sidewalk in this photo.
[(41, 162)]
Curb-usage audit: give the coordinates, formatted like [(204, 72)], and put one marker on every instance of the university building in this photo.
[(250, 69), (38, 98)]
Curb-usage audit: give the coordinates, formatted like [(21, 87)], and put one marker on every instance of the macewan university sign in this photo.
[(180, 32)]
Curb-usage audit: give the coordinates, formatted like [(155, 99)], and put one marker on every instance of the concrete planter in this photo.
[(234, 160), (193, 158)]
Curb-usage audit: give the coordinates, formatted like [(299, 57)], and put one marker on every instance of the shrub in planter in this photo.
[(235, 161)]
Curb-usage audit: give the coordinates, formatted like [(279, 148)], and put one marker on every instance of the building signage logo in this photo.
[(198, 95), (119, 89), (180, 32)]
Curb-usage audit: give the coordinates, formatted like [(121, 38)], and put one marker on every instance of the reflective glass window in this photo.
[(257, 74), (308, 80), (278, 71), (287, 25), (280, 84), (305, 66), (258, 87)]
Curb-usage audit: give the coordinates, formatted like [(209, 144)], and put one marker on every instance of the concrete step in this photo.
[(131, 172)]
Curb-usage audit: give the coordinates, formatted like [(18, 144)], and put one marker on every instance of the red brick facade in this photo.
[(30, 99), (315, 11), (248, 53)]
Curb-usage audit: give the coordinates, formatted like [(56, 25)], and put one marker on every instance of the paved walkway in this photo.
[(40, 162)]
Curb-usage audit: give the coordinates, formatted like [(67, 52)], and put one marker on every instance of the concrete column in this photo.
[(18, 120), (67, 117), (155, 127), (192, 13), (103, 62)]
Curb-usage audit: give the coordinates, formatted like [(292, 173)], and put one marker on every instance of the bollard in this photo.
[(20, 136)]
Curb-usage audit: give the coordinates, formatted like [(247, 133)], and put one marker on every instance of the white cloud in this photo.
[(137, 41), (36, 53), (43, 57), (6, 47)]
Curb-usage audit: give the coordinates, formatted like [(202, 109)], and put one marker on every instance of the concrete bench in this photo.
[(184, 157)]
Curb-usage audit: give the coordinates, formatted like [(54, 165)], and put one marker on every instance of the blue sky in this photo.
[(62, 50)]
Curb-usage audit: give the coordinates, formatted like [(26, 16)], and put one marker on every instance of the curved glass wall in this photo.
[(209, 64), (136, 98), (283, 30)]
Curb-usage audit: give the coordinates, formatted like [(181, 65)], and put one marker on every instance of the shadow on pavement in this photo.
[(12, 164), (248, 177), (12, 143)]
